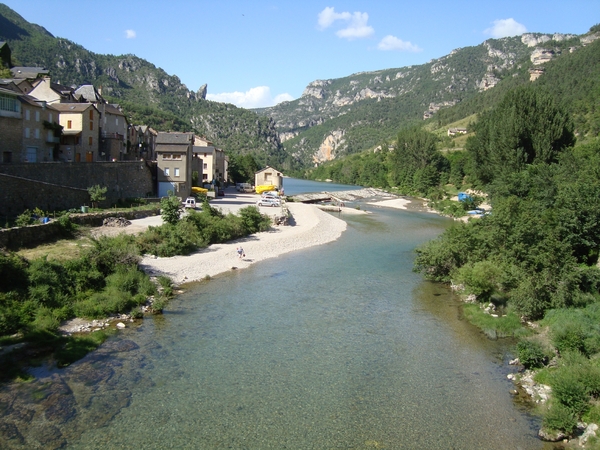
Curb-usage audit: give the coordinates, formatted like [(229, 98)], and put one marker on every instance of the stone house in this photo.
[(269, 176), (113, 133), (10, 125), (174, 163), (142, 142), (40, 139), (79, 140)]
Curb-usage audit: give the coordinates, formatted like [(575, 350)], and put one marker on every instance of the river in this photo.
[(338, 346)]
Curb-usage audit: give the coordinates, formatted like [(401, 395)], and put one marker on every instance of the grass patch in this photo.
[(495, 327)]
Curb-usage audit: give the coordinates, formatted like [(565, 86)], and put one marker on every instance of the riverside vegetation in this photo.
[(101, 278), (534, 257)]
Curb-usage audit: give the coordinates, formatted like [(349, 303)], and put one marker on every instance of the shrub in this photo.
[(480, 278), (570, 337), (67, 228), (109, 252), (24, 219), (568, 390), (253, 221), (531, 354), (560, 418), (13, 272), (171, 209)]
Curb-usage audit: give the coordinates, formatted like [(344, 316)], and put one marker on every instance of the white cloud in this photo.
[(357, 23), (505, 28), (328, 16), (258, 97), (393, 43), (130, 34)]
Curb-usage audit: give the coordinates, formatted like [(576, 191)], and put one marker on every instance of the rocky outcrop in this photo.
[(328, 147), (202, 92)]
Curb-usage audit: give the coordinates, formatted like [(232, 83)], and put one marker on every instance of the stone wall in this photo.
[(30, 236), (62, 186)]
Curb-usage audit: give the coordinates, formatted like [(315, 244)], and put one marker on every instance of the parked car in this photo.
[(270, 194), (246, 187), (269, 201), (190, 202)]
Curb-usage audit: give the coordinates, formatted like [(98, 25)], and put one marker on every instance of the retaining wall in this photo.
[(62, 186), (30, 236)]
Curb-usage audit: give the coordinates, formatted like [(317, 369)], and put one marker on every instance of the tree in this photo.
[(526, 127), (97, 194), (416, 162), (171, 209)]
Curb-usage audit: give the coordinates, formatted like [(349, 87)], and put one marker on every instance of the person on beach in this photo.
[(240, 252)]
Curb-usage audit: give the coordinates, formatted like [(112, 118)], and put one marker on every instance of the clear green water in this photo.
[(340, 346)]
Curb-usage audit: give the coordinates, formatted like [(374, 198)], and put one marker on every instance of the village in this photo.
[(55, 127)]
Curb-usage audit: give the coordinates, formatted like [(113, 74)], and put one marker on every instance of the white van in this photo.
[(190, 202)]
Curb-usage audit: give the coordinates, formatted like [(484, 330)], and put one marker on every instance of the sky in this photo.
[(261, 52)]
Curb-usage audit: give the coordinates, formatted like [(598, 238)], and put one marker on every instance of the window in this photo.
[(91, 126), (26, 114), (26, 133), (166, 171), (205, 166), (37, 116), (50, 117), (91, 114), (167, 156), (7, 157), (37, 133), (176, 171), (90, 140), (69, 124), (8, 103)]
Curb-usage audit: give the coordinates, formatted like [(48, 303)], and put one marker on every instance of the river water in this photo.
[(336, 346)]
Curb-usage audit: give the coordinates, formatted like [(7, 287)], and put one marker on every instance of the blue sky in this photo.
[(256, 53)]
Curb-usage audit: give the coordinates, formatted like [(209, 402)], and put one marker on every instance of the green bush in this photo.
[(570, 391), (253, 221), (481, 278), (25, 218), (559, 418), (171, 209), (13, 272), (107, 253), (570, 337), (531, 354)]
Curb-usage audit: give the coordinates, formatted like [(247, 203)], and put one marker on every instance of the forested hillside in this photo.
[(340, 117), (148, 94)]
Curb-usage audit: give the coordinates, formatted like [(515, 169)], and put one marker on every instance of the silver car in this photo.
[(269, 201)]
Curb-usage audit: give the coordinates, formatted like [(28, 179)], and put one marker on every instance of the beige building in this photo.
[(269, 176), (52, 93), (174, 163), (79, 141), (214, 161)]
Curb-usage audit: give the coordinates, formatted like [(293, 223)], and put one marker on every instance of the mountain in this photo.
[(342, 116), (147, 93), (333, 118)]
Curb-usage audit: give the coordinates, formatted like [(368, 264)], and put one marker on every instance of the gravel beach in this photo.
[(309, 226)]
